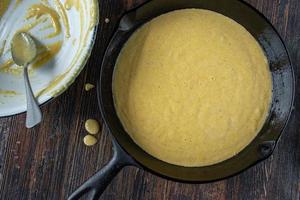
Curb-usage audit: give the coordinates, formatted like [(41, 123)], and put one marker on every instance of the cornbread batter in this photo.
[(92, 126), (47, 53), (89, 140), (88, 87), (192, 87)]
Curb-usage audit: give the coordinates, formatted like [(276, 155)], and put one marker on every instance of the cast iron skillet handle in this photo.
[(98, 182)]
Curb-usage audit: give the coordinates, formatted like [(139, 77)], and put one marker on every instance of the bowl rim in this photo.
[(83, 62)]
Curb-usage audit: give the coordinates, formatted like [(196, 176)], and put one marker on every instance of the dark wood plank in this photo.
[(50, 161)]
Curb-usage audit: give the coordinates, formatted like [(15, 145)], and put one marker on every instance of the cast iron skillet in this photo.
[(126, 152)]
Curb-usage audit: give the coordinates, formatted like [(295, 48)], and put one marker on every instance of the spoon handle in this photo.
[(34, 114)]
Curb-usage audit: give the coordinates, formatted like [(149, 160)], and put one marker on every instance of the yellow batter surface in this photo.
[(192, 87)]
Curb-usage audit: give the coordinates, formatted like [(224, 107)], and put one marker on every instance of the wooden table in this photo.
[(50, 161)]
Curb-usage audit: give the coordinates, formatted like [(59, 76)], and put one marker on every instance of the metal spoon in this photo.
[(23, 50)]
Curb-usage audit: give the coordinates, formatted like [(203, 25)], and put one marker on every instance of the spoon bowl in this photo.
[(23, 48)]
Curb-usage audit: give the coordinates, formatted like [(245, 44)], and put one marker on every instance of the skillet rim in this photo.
[(180, 179)]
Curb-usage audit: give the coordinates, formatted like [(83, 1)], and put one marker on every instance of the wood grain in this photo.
[(50, 161)]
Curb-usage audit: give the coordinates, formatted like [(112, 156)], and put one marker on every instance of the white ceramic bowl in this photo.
[(54, 76)]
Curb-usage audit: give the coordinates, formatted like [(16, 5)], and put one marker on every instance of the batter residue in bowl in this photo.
[(7, 92), (3, 6), (192, 87), (46, 52), (50, 22), (38, 10)]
